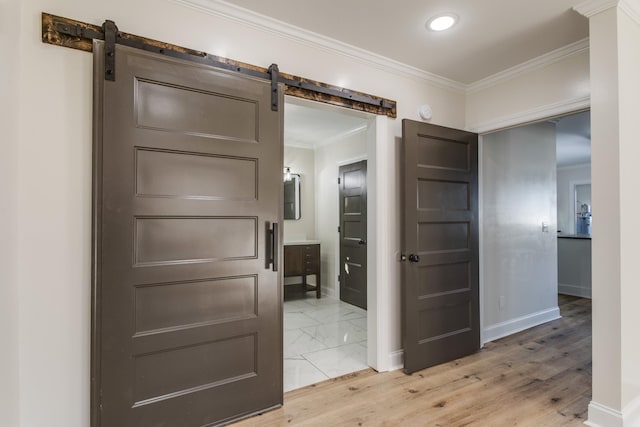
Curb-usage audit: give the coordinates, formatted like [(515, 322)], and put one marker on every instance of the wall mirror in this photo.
[(583, 208), (292, 197), (580, 207)]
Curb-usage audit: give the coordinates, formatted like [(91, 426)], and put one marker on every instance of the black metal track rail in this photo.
[(79, 35)]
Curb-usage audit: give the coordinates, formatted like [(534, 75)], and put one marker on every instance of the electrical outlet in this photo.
[(501, 302)]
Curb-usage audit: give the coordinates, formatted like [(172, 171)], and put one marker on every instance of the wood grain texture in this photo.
[(539, 377), (52, 34), (299, 92)]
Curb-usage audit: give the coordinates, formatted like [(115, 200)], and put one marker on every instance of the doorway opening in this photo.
[(532, 257), (574, 204), (525, 178), (324, 336)]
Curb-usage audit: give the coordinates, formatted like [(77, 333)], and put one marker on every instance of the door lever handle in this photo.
[(362, 242), (414, 258)]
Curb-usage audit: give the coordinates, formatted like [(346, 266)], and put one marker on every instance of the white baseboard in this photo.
[(503, 329), (330, 292), (631, 413), (396, 360), (576, 291), (603, 416)]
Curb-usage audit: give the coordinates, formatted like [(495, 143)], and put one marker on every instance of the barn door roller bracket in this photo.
[(110, 35), (275, 78)]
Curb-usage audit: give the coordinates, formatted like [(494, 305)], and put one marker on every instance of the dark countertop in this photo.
[(573, 236)]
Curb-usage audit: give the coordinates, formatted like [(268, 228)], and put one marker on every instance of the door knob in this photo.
[(362, 242), (414, 258)]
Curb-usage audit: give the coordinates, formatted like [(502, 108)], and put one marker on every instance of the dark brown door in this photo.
[(440, 274), (353, 234), (188, 177)]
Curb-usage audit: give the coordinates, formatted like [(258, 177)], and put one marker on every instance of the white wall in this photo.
[(568, 175), (302, 162), (606, 194), (9, 285), (629, 37), (574, 267), (54, 251), (328, 157), (615, 65), (562, 86), (519, 259)]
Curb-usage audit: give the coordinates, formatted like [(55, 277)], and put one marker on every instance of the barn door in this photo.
[(440, 274), (188, 185)]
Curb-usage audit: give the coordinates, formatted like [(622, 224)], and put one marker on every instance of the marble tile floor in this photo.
[(323, 338)]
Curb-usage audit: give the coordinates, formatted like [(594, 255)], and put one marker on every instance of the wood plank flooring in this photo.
[(539, 377)]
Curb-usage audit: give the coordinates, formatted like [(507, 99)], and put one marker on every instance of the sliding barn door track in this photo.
[(79, 35)]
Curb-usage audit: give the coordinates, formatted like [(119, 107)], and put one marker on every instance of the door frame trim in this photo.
[(380, 229), (96, 242), (545, 112), (380, 232)]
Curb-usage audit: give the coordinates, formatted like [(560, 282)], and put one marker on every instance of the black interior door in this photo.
[(353, 234), (440, 314), (188, 179)]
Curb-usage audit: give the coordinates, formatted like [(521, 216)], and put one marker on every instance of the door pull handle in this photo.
[(272, 246)]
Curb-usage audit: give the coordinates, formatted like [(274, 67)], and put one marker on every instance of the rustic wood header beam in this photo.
[(79, 35)]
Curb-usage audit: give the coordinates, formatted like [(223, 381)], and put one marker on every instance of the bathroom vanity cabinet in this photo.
[(302, 259)]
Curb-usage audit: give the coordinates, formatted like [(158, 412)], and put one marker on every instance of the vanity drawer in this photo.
[(311, 266), (301, 259), (311, 252)]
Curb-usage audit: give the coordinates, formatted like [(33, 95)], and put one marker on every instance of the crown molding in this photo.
[(340, 136), (314, 145), (530, 65), (532, 115), (228, 11), (261, 22), (576, 166), (632, 9), (298, 144), (589, 8)]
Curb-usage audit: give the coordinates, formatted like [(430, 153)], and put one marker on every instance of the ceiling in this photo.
[(490, 36)]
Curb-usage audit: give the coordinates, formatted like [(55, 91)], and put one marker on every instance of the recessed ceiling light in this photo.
[(442, 22)]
